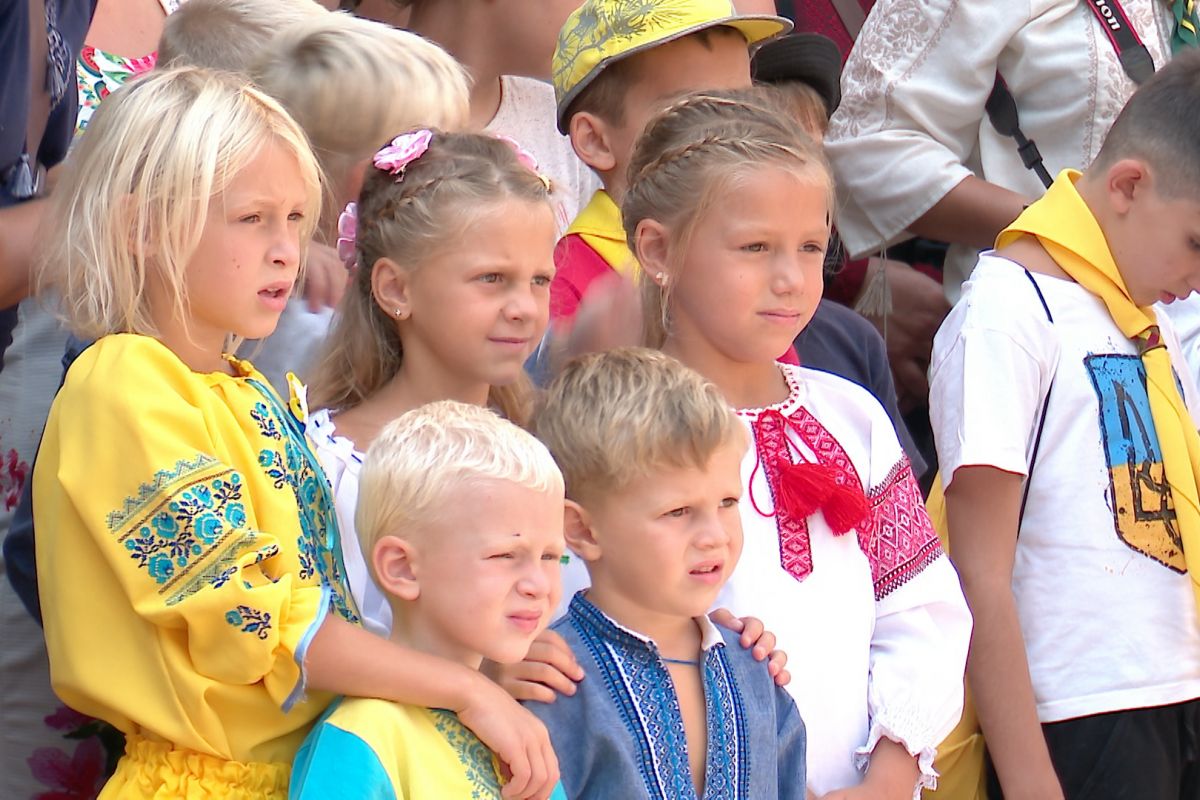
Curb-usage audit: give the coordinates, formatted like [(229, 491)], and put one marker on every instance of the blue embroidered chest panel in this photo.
[(642, 690)]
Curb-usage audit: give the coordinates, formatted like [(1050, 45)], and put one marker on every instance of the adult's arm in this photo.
[(914, 90), (18, 245)]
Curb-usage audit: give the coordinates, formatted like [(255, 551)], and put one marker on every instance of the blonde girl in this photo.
[(729, 212), (452, 246), (188, 555)]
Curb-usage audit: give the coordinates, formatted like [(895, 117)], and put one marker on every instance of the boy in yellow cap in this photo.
[(618, 62)]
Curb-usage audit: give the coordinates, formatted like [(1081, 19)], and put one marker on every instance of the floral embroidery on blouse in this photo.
[(251, 620), (476, 758), (179, 519), (319, 543)]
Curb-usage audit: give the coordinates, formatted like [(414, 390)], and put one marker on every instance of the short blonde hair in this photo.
[(611, 418), (137, 189), (420, 455), (692, 152), (803, 102), (352, 84), (407, 221), (228, 34)]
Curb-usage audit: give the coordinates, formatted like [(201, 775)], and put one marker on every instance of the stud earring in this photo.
[(400, 314), (661, 278)]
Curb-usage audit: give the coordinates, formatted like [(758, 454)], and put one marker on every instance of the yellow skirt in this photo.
[(151, 769)]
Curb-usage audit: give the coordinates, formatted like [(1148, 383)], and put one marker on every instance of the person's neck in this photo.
[(743, 384), (456, 27), (678, 638), (200, 351), (411, 629), (411, 387)]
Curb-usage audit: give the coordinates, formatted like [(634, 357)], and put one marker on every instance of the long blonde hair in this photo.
[(408, 221), (137, 188), (689, 154)]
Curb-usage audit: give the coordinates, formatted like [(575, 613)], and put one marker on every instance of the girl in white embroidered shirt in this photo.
[(729, 213)]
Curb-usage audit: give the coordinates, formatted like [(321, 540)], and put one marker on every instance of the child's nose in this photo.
[(788, 276), (521, 304), (712, 534), (535, 582), (285, 249)]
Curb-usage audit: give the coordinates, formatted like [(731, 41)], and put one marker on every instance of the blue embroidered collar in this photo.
[(586, 613)]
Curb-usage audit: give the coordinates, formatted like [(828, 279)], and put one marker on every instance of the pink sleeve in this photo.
[(577, 266)]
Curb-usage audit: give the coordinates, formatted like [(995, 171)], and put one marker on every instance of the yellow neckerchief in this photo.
[(1068, 231), (599, 224)]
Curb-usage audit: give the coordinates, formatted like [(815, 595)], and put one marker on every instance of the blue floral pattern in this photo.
[(294, 466), (171, 537), (251, 620), (476, 758)]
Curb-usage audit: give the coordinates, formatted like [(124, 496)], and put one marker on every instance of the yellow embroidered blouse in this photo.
[(187, 552)]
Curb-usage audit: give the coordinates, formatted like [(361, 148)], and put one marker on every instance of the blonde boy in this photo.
[(617, 63), (352, 85), (228, 34), (461, 513), (672, 706)]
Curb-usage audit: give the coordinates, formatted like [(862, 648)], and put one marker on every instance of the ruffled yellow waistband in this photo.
[(151, 769)]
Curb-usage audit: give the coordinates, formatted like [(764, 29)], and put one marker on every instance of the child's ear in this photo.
[(652, 245), (394, 561), (390, 288), (591, 140), (578, 532), (1126, 180)]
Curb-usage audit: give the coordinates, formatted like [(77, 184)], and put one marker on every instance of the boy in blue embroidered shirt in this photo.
[(465, 584), (672, 707)]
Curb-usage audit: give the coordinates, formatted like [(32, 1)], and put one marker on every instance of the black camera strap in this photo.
[(1135, 59)]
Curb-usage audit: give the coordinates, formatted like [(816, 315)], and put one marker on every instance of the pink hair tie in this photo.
[(348, 235), (525, 158), (404, 149)]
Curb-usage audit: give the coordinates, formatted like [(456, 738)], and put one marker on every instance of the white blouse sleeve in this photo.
[(913, 95), (922, 624)]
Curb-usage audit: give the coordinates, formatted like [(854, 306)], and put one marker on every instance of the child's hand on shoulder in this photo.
[(756, 638), (549, 670), (518, 738)]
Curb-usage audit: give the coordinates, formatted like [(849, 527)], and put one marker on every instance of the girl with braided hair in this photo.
[(451, 244), (729, 211)]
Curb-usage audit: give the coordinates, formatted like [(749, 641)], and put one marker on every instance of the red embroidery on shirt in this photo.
[(901, 541), (774, 451)]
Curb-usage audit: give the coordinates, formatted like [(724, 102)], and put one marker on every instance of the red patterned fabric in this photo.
[(901, 541), (898, 537), (774, 450)]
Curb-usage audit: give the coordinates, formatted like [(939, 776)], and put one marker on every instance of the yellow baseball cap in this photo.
[(602, 32)]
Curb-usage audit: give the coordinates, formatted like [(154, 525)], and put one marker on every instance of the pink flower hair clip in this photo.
[(525, 158), (404, 149), (348, 235)]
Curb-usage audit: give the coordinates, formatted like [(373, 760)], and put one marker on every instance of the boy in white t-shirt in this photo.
[(1060, 405), (506, 47)]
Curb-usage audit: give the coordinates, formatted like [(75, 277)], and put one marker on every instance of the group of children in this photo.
[(346, 593)]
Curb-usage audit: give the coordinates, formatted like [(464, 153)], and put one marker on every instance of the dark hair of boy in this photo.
[(1158, 126)]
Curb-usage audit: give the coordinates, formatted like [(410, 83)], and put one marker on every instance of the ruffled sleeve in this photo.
[(922, 626)]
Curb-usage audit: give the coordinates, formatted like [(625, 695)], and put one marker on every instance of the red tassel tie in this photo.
[(806, 488)]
